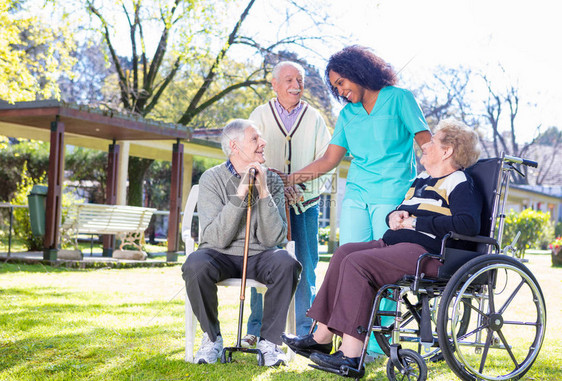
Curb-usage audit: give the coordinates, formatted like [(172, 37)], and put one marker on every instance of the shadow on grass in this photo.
[(27, 268), (161, 367)]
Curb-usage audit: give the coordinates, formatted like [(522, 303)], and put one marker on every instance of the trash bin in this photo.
[(36, 201)]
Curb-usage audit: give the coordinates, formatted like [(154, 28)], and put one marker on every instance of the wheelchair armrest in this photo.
[(476, 239)]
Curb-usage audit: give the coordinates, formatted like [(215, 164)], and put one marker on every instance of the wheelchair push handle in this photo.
[(519, 160)]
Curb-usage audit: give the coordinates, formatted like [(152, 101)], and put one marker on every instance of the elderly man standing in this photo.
[(222, 204), (296, 136)]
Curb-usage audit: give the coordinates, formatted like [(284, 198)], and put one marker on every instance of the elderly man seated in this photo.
[(223, 199)]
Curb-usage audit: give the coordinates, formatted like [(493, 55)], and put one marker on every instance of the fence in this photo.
[(10, 208)]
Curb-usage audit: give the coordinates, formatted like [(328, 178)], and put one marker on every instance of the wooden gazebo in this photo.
[(121, 135)]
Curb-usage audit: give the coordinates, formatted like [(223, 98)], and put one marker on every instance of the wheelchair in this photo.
[(484, 314)]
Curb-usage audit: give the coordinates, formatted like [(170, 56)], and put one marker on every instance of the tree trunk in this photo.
[(137, 170)]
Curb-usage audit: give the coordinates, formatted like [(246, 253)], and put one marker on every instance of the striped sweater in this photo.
[(441, 205)]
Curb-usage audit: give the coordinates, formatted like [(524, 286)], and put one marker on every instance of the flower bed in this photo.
[(556, 251)]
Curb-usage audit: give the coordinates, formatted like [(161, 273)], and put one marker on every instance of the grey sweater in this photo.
[(222, 214)]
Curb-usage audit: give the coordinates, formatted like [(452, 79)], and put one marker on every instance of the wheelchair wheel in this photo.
[(413, 364), (507, 325)]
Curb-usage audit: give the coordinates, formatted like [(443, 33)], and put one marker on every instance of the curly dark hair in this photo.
[(360, 65)]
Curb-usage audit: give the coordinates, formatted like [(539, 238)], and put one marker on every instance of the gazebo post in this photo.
[(175, 202), (54, 191), (111, 193)]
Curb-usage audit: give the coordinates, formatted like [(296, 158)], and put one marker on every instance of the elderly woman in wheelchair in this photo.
[(481, 311), (440, 200)]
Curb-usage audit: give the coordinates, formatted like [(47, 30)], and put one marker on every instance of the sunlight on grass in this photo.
[(128, 324)]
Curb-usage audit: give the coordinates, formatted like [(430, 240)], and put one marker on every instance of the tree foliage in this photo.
[(206, 64), (88, 169), (19, 157), (33, 54)]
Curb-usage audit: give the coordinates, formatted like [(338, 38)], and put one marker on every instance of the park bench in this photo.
[(128, 223)]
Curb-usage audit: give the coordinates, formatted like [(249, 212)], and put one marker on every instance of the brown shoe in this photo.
[(249, 341)]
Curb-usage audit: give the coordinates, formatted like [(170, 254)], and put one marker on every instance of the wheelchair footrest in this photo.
[(343, 371), (437, 357)]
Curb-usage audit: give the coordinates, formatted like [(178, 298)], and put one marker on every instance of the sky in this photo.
[(525, 37), (416, 36)]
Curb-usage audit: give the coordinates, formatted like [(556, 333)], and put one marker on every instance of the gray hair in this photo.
[(277, 69), (463, 139), (234, 130)]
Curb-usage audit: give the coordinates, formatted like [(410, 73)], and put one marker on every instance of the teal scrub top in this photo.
[(382, 145)]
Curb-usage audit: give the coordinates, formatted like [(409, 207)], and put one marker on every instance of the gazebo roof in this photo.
[(89, 121)]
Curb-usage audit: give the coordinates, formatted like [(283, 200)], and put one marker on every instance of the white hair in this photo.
[(234, 130), (277, 69)]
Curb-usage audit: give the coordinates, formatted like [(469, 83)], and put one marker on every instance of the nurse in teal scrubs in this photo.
[(377, 126)]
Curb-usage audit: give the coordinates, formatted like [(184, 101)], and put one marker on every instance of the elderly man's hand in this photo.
[(260, 181), (293, 194)]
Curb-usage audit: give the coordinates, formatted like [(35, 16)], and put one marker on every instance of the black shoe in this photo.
[(334, 363), (305, 345)]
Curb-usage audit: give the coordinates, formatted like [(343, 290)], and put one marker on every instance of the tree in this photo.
[(33, 54), (549, 157), (193, 46), (499, 105), (447, 94), (86, 83), (490, 103)]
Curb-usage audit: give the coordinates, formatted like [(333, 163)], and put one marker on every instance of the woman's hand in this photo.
[(397, 218)]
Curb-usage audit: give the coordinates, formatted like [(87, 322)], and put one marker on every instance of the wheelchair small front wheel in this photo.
[(413, 367)]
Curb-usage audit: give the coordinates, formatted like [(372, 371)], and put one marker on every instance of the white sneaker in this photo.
[(248, 341), (209, 351), (272, 354)]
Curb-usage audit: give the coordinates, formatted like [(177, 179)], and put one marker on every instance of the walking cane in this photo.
[(238, 347)]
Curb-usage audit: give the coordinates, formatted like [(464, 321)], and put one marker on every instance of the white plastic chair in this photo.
[(190, 319)]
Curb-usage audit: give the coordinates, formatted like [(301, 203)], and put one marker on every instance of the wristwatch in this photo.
[(414, 219)]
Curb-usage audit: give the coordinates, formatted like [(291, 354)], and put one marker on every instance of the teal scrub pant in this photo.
[(360, 222)]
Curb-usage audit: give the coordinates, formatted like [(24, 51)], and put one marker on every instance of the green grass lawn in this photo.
[(127, 324)]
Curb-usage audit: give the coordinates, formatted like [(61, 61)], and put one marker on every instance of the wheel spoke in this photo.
[(491, 303), (473, 332), (523, 323), (489, 339), (511, 297), (508, 348), (478, 311)]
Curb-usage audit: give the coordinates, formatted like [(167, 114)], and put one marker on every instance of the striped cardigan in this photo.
[(291, 151)]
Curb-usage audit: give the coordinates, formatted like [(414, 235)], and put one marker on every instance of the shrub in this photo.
[(533, 225), (324, 235), (558, 229), (547, 237)]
